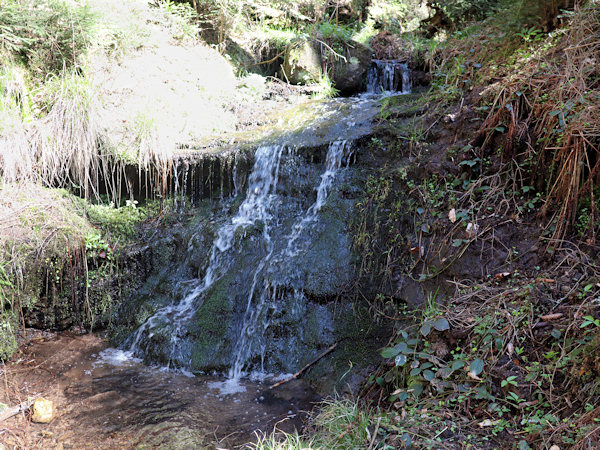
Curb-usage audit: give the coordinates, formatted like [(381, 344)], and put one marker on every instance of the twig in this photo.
[(269, 61), (375, 433), (13, 411), (297, 374)]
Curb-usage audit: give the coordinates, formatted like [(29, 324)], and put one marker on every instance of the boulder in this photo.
[(306, 61), (302, 62), (350, 75)]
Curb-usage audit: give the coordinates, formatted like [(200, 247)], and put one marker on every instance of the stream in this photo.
[(252, 289)]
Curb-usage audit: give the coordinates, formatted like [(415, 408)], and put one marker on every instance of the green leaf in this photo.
[(428, 375), (402, 347), (406, 440), (456, 365), (420, 210), (417, 389), (400, 360), (414, 372), (483, 394), (441, 324), (445, 372), (425, 228), (389, 352), (476, 366), (426, 328)]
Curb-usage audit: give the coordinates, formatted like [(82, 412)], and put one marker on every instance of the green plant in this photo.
[(46, 36), (324, 87), (509, 381)]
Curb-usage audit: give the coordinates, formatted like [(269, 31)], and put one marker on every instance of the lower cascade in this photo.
[(248, 313)]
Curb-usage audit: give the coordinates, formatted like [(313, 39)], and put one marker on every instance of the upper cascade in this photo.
[(388, 76)]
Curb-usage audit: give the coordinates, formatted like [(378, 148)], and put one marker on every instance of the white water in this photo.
[(255, 322), (333, 163), (258, 207), (388, 77), (261, 189)]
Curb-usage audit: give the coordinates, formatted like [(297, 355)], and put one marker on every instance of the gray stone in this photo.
[(306, 61)]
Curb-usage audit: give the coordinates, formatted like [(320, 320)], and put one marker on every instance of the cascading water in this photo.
[(251, 328), (256, 222), (256, 207), (388, 76)]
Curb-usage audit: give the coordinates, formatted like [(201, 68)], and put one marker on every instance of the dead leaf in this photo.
[(552, 316), (473, 376), (452, 215), (544, 280), (472, 229), (488, 423), (501, 275)]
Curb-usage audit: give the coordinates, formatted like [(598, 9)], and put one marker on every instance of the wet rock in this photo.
[(42, 410), (350, 74)]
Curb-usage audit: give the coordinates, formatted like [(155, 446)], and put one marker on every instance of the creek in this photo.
[(253, 282)]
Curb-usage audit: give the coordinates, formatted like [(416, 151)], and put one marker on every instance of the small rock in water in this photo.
[(42, 410)]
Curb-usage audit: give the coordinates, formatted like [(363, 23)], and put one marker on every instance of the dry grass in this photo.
[(550, 108), (38, 223)]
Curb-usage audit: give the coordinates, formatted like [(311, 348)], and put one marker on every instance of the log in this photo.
[(297, 374)]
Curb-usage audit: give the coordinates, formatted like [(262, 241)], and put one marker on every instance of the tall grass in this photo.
[(51, 121), (45, 35)]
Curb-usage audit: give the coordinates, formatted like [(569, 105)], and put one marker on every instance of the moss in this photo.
[(211, 346), (8, 334)]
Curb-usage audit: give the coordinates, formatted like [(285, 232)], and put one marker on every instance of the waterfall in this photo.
[(388, 76), (261, 188), (259, 210), (252, 327)]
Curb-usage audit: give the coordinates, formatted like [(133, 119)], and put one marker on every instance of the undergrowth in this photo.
[(537, 91)]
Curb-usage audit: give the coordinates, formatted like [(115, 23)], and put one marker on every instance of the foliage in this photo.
[(339, 424), (46, 37), (462, 11), (60, 255), (552, 98), (324, 87)]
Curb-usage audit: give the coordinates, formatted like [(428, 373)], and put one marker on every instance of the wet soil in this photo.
[(103, 404)]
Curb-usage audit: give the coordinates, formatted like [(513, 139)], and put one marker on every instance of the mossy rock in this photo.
[(212, 328)]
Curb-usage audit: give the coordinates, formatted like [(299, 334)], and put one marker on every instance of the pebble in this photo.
[(42, 410)]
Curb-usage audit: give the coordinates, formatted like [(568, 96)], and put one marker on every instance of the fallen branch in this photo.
[(14, 410), (297, 374)]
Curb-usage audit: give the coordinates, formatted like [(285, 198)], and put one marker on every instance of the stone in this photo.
[(42, 410), (302, 62), (349, 75)]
